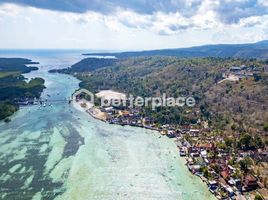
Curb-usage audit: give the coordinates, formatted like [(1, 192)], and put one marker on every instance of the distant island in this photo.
[(257, 50), (14, 90)]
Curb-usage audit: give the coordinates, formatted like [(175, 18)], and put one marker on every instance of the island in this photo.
[(223, 137), (14, 89)]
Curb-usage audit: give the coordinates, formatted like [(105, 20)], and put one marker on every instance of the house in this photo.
[(204, 154), (225, 175), (194, 168), (124, 113), (171, 134), (109, 109), (206, 146), (185, 128), (232, 169), (234, 182), (194, 132), (230, 191), (212, 185), (265, 69), (193, 152), (250, 182), (183, 151), (235, 69), (23, 103), (243, 67)]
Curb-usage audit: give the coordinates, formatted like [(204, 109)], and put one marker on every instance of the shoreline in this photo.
[(174, 140), (218, 187), (87, 107)]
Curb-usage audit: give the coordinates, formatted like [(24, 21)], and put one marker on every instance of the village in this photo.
[(237, 73), (225, 169), (228, 171), (231, 167)]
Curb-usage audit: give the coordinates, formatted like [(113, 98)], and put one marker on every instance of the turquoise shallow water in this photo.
[(58, 152)]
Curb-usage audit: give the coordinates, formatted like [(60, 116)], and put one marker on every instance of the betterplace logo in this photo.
[(115, 99)]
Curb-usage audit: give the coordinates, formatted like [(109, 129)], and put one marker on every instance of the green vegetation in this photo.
[(229, 106), (258, 197), (13, 86), (245, 164), (229, 141), (7, 109), (265, 127), (88, 65), (16, 65), (6, 74), (256, 50), (239, 106), (204, 170)]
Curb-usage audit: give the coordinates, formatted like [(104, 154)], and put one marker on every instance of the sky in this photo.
[(130, 24)]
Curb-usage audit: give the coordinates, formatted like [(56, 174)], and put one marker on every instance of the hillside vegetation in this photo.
[(88, 65), (13, 86), (254, 50), (228, 106)]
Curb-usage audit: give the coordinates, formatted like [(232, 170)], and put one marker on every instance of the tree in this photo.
[(216, 168), (258, 197), (245, 141), (265, 127), (258, 142), (245, 164), (229, 141), (205, 171)]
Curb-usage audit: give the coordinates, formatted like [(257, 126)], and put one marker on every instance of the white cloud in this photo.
[(9, 10), (123, 29), (254, 21), (263, 2)]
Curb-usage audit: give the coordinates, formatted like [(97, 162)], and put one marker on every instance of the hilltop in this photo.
[(227, 106), (257, 50)]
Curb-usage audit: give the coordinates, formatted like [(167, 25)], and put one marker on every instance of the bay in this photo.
[(58, 152)]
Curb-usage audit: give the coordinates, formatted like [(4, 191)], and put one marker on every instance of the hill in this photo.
[(13, 87), (87, 65), (227, 106), (257, 50), (16, 65)]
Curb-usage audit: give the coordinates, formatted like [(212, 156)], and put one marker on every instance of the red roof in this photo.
[(205, 145), (250, 178), (225, 174)]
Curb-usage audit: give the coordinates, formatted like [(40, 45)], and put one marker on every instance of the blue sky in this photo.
[(130, 24)]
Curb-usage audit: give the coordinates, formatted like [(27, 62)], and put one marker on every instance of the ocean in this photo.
[(58, 152)]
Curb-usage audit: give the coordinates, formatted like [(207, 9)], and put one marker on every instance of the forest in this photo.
[(13, 86), (257, 50), (228, 106)]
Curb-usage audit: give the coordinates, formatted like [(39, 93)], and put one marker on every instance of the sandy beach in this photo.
[(110, 94), (85, 106)]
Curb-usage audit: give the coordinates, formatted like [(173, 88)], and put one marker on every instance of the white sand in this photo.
[(110, 94), (77, 105), (89, 108)]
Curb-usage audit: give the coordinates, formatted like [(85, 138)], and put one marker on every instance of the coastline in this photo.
[(184, 159), (87, 107)]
